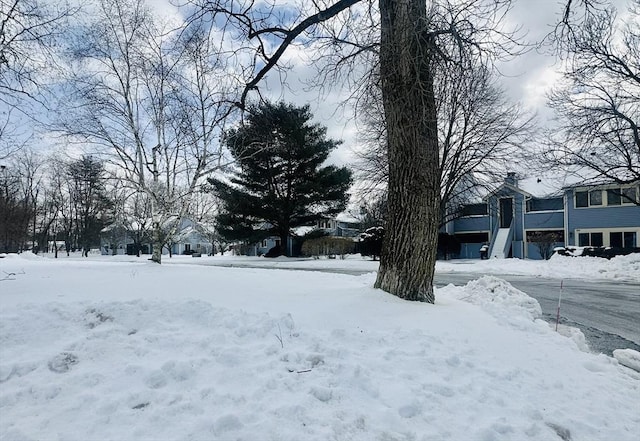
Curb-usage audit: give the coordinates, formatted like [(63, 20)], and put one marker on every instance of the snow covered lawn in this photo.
[(622, 268), (101, 349)]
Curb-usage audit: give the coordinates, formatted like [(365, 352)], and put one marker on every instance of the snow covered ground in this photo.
[(112, 349), (623, 268)]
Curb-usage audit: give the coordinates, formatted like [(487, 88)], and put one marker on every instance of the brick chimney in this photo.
[(511, 179)]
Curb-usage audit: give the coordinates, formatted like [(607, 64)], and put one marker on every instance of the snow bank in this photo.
[(620, 267), (109, 351), (573, 333), (624, 268), (499, 298)]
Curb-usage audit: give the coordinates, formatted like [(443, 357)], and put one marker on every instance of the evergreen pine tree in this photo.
[(279, 182)]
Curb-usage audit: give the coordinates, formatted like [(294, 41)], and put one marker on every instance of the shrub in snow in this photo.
[(371, 242), (604, 252), (274, 252), (328, 246)]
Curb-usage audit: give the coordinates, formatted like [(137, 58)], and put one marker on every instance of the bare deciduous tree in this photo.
[(29, 33), (597, 103), (479, 132), (152, 99), (28, 30)]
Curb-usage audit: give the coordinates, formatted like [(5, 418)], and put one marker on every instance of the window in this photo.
[(630, 240), (629, 195), (613, 197), (545, 235), (582, 199), (472, 237), (595, 197), (615, 239), (474, 210), (264, 243), (583, 239), (550, 204), (619, 239), (187, 247), (590, 239)]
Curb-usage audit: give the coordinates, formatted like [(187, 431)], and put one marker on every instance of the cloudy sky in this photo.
[(526, 78)]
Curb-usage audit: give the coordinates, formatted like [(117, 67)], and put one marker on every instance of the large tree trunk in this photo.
[(410, 244), (157, 243), (284, 244)]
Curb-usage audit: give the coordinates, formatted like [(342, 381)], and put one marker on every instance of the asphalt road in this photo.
[(607, 312)]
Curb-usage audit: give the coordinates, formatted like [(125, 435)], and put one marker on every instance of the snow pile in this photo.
[(626, 268), (620, 267), (628, 358), (573, 333), (499, 298), (92, 350)]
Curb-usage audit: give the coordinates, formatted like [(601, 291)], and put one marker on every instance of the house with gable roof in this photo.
[(125, 238)]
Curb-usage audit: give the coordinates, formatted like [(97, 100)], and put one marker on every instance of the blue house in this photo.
[(510, 218)]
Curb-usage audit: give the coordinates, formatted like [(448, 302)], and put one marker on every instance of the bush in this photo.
[(274, 252), (544, 241), (604, 252), (371, 242), (328, 246)]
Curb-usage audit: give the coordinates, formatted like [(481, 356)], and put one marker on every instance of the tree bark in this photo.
[(157, 243), (409, 249)]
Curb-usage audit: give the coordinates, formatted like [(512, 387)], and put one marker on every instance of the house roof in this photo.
[(301, 231), (539, 187), (346, 217), (543, 185), (510, 187)]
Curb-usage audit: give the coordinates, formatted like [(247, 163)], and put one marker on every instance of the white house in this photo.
[(189, 237)]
